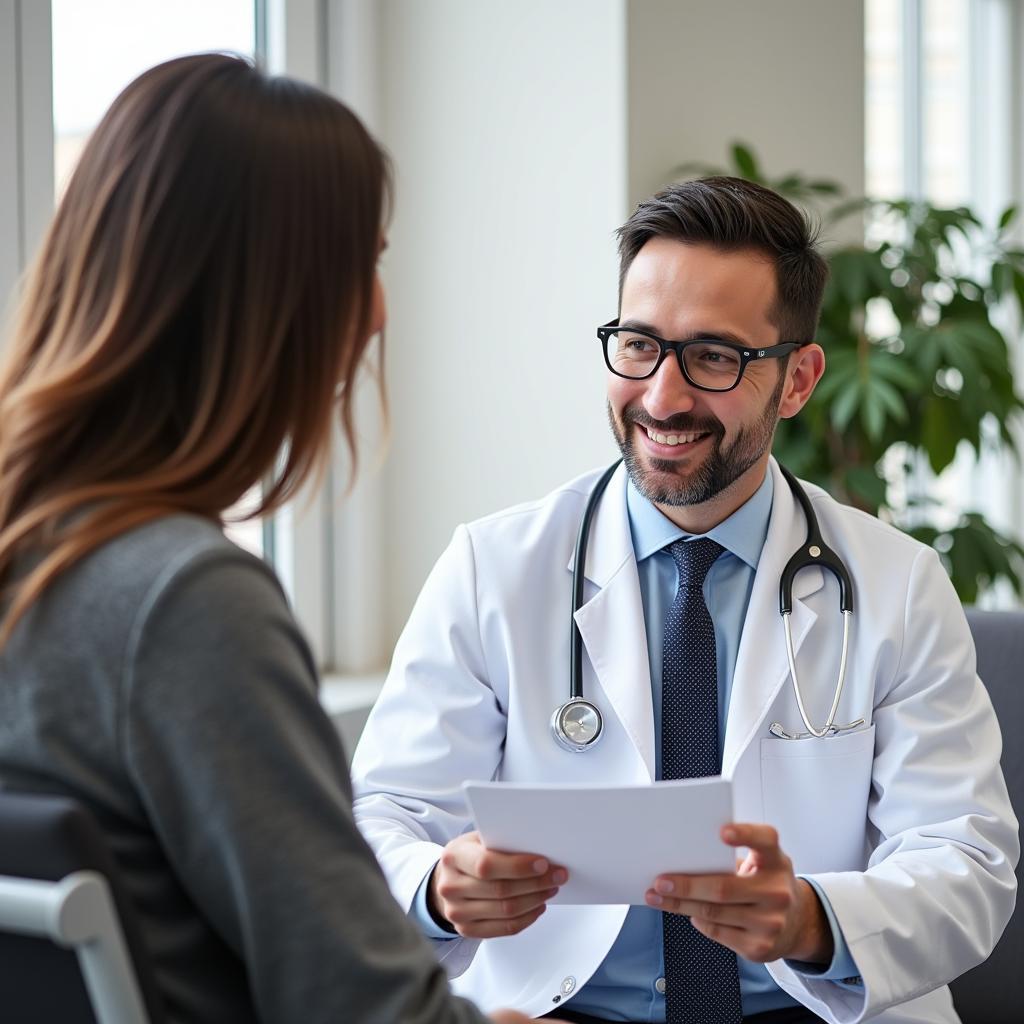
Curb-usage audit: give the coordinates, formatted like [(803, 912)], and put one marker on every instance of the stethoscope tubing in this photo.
[(813, 552), (829, 727), (578, 578)]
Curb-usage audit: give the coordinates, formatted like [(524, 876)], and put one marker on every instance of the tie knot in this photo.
[(694, 559)]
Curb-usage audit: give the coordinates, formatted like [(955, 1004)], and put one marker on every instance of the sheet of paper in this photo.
[(614, 840)]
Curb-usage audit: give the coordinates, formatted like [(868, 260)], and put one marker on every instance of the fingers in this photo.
[(508, 1017), (753, 930), (468, 912), (469, 871), (455, 885), (514, 1017), (750, 945), (753, 911), (738, 914), (469, 856), (670, 891), (762, 841), (487, 893)]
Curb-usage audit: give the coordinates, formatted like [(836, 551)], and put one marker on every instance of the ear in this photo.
[(806, 365)]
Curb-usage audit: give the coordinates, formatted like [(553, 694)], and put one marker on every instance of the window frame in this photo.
[(328, 557), (326, 545), (995, 180), (26, 105)]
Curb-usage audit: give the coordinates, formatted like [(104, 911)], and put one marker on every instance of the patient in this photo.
[(195, 319)]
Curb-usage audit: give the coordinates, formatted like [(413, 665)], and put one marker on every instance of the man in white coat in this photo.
[(875, 864)]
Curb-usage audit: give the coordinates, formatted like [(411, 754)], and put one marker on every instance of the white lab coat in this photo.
[(905, 824)]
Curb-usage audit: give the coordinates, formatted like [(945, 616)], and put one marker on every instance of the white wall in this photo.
[(786, 76), (506, 122), (523, 133)]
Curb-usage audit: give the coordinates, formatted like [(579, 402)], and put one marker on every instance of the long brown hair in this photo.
[(204, 289)]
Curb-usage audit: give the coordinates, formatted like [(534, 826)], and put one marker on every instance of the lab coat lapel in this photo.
[(611, 621), (762, 666)]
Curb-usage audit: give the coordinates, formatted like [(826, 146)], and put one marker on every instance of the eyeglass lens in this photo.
[(708, 364)]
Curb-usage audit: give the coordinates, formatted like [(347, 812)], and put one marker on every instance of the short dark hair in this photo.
[(731, 214)]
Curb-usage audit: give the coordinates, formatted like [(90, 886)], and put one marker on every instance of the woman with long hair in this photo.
[(201, 303)]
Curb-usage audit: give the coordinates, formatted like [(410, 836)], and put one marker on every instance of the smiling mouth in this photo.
[(674, 440)]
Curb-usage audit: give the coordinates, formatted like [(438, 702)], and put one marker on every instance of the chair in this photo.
[(993, 993), (70, 950)]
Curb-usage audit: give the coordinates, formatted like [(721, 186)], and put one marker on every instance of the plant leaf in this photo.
[(939, 436), (890, 399), (897, 370), (864, 481), (872, 413), (844, 406), (745, 162), (848, 208)]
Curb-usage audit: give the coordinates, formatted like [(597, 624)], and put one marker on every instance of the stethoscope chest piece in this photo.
[(577, 725)]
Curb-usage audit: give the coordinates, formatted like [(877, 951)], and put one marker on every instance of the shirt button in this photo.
[(568, 984), (660, 986)]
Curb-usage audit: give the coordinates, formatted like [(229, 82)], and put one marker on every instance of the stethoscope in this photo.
[(577, 724)]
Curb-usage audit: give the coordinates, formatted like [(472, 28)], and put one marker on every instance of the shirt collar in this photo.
[(742, 534)]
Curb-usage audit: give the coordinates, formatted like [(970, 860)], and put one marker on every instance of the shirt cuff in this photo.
[(419, 911), (842, 968)]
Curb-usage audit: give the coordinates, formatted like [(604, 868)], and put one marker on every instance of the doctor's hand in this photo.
[(763, 912), (514, 1017), (483, 893)]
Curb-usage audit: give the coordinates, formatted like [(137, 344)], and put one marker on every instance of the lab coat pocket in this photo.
[(815, 792)]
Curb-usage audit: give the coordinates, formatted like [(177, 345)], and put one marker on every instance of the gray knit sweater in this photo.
[(164, 683)]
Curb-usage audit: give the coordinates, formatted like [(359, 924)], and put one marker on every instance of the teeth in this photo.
[(673, 439)]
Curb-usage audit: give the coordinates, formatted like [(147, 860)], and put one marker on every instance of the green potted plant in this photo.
[(917, 367)]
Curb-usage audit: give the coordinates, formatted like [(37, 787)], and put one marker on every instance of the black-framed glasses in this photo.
[(709, 364)]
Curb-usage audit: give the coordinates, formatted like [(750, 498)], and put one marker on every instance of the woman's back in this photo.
[(163, 682), (191, 328)]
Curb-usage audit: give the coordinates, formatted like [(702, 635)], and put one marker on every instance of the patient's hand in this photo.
[(484, 893)]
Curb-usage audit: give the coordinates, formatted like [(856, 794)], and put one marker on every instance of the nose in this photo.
[(668, 391)]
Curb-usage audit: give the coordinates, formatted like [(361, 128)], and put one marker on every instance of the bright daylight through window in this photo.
[(99, 47), (939, 128)]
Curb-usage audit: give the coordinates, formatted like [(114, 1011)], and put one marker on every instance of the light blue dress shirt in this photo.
[(625, 986)]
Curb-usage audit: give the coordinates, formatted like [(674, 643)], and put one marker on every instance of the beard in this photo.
[(665, 482)]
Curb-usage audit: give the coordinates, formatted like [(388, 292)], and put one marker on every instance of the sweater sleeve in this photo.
[(246, 785)]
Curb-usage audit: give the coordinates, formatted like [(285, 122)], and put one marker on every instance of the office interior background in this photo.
[(523, 134)]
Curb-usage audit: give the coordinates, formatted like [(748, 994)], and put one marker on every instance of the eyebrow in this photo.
[(642, 325)]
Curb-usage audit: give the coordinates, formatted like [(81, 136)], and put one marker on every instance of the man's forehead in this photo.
[(669, 253), (670, 280)]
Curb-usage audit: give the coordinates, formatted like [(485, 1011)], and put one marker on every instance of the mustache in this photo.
[(682, 423)]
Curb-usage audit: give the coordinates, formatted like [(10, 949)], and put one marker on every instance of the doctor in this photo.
[(875, 864)]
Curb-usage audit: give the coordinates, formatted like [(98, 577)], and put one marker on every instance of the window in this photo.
[(98, 48), (919, 98), (939, 78)]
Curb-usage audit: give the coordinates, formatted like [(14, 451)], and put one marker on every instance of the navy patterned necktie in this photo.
[(701, 977)]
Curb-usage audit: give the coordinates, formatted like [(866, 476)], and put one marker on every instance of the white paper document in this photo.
[(614, 840)]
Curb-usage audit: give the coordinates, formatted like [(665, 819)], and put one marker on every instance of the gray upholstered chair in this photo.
[(70, 950), (993, 993)]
